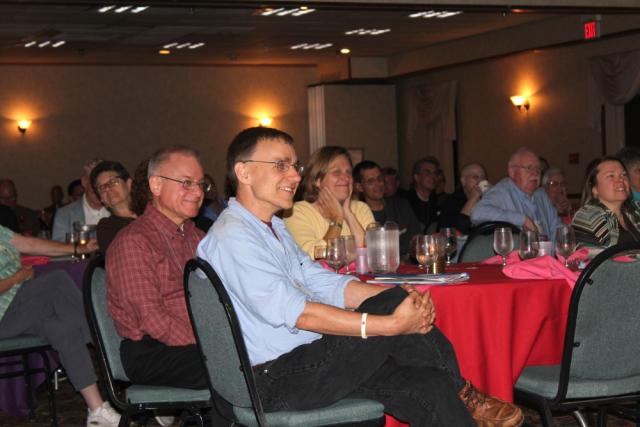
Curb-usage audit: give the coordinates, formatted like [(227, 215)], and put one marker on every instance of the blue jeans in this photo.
[(416, 377)]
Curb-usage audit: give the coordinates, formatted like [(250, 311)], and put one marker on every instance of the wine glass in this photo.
[(528, 247), (426, 250), (73, 238), (565, 242), (335, 253), (450, 242), (349, 251), (503, 242)]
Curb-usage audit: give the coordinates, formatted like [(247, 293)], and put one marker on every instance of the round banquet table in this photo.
[(499, 325)]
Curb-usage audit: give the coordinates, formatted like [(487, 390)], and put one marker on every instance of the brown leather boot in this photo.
[(489, 411)]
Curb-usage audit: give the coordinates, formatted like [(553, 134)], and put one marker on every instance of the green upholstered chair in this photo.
[(479, 244), (229, 372), (130, 399), (24, 345), (601, 354)]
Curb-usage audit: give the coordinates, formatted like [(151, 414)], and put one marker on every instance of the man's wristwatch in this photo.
[(335, 224)]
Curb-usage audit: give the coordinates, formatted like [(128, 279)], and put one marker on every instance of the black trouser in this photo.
[(151, 362), (416, 377)]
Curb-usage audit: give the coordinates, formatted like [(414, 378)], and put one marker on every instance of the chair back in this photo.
[(219, 338), (105, 337), (603, 338), (479, 245)]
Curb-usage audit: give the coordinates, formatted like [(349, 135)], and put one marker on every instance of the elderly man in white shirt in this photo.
[(86, 210)]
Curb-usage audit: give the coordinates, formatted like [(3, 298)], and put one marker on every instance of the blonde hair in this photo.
[(316, 169)]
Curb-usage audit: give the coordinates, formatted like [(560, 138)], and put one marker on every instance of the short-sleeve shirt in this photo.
[(9, 265)]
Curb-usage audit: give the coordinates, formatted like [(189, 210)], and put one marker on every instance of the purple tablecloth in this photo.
[(13, 391)]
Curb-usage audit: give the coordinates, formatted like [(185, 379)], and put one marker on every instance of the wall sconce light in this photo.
[(266, 121), (520, 102), (23, 125)]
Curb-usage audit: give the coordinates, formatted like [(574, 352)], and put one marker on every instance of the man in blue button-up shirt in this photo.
[(519, 199), (307, 346)]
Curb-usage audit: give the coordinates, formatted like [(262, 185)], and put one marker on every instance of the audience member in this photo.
[(140, 192), (609, 215), (422, 196), (50, 306), (87, 209), (112, 183), (57, 201), (145, 264), (28, 219), (307, 348), (327, 210), (75, 190), (630, 157), (456, 208), (211, 207), (370, 184), (555, 184), (518, 198), (392, 183)]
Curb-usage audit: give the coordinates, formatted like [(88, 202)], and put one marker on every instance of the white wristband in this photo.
[(363, 326)]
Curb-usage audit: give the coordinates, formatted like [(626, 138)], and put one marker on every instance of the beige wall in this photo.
[(126, 112), (490, 128), (363, 116)]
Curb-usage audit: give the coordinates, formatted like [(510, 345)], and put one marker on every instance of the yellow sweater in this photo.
[(308, 226)]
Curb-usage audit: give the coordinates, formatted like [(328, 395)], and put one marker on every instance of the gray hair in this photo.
[(89, 165), (161, 156), (546, 178), (520, 152)]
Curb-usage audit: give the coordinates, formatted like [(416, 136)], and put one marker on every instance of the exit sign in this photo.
[(591, 30)]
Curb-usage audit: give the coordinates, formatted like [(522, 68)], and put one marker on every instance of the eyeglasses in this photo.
[(557, 183), (188, 184), (529, 168), (102, 188), (281, 165)]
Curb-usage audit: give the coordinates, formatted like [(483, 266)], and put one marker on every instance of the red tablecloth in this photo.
[(499, 325)]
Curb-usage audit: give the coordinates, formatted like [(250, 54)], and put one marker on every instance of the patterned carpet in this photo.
[(72, 413)]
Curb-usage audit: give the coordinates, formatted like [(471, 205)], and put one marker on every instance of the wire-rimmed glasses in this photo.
[(188, 184)]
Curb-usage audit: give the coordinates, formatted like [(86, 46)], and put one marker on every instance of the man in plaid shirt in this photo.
[(145, 265)]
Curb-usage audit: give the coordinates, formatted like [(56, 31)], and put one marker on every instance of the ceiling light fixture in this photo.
[(164, 51), (307, 46), (31, 43), (281, 11), (197, 45), (122, 9), (45, 43), (345, 51), (364, 32), (58, 44), (266, 121), (435, 14)]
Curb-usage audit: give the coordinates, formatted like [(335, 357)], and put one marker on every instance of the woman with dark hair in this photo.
[(608, 215), (112, 183), (327, 210)]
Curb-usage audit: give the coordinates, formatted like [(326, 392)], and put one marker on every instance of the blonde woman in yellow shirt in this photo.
[(327, 210)]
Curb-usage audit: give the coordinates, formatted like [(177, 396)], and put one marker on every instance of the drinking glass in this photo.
[(426, 250), (529, 245), (83, 239), (502, 242), (319, 252), (349, 250), (565, 242), (450, 242), (335, 253), (73, 238)]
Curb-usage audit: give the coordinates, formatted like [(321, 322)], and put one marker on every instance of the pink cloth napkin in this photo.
[(512, 257), (544, 267), (27, 260), (343, 270)]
